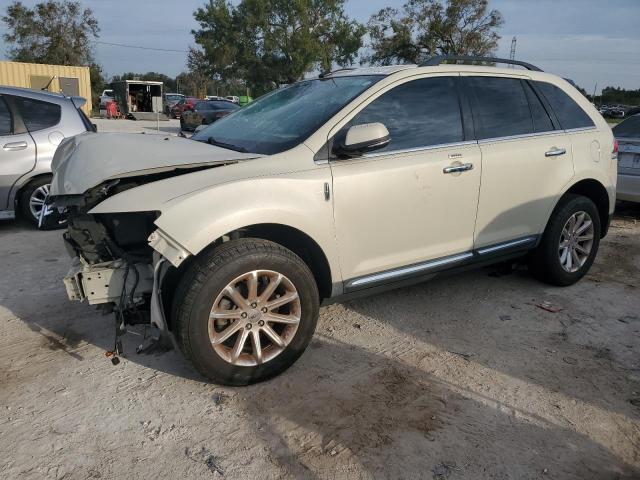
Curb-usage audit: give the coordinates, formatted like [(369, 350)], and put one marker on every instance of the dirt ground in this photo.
[(463, 377)]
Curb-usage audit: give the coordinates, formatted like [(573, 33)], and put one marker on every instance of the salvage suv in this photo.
[(357, 181)]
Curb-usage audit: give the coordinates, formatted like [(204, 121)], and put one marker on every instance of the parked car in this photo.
[(614, 112), (107, 95), (233, 98), (182, 106), (170, 99), (206, 112), (331, 188), (32, 125), (627, 134)]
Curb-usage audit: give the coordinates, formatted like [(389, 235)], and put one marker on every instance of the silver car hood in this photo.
[(87, 160)]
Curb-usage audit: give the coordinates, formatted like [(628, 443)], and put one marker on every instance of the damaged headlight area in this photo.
[(118, 259)]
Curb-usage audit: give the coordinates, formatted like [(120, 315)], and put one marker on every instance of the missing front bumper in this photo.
[(104, 282)]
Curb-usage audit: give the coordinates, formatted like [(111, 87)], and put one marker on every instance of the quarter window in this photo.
[(5, 119), (569, 113), (36, 114), (417, 114), (501, 108)]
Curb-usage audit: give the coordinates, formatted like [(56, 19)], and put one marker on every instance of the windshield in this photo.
[(215, 105), (630, 128), (286, 117), (174, 98)]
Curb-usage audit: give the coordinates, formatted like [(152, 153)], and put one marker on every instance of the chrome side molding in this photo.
[(401, 272), (437, 264)]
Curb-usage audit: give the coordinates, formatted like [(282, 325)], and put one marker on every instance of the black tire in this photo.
[(544, 262), (205, 279), (25, 210)]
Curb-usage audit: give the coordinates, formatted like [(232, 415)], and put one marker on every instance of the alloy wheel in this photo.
[(37, 199), (254, 318), (576, 241)]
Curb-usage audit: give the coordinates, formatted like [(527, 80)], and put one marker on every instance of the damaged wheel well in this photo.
[(291, 238)]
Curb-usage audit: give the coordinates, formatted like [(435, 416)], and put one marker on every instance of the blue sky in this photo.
[(587, 40)]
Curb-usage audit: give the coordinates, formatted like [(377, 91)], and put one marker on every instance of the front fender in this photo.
[(295, 199)]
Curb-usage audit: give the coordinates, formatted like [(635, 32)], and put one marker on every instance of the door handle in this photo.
[(464, 167), (15, 146), (555, 152)]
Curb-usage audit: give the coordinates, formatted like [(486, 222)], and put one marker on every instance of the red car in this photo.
[(183, 105)]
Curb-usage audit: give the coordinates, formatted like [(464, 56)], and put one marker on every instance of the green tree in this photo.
[(56, 32), (619, 96), (270, 42), (422, 28)]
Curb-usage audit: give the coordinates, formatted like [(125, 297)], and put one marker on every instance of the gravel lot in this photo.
[(464, 377)]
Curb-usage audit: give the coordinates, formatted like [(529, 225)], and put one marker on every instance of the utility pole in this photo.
[(512, 55)]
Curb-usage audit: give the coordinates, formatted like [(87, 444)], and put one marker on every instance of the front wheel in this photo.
[(245, 311), (569, 244)]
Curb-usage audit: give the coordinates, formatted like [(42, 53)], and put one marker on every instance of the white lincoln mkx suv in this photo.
[(344, 185)]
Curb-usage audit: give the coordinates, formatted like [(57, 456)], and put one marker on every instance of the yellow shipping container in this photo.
[(72, 81)]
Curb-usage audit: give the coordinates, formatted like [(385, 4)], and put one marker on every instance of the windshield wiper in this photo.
[(228, 146)]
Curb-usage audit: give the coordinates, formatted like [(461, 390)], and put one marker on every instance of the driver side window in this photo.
[(419, 113)]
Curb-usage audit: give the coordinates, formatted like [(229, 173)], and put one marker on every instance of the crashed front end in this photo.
[(118, 259)]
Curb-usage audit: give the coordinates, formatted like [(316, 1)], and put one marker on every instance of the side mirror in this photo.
[(360, 139)]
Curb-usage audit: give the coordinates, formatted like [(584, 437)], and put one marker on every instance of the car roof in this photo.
[(35, 94)]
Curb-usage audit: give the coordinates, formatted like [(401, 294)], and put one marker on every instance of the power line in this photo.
[(140, 48)]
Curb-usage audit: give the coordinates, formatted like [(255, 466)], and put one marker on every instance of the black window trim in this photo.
[(19, 128), (465, 115), (545, 104), (524, 84), (11, 117)]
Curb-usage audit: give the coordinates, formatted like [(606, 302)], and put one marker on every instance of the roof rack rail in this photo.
[(331, 72), (439, 59)]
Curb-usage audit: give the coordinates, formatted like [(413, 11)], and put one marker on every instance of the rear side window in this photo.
[(36, 114), (6, 124), (569, 113), (501, 108), (541, 120), (419, 113)]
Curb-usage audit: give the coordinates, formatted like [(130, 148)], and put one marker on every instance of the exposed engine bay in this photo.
[(119, 258)]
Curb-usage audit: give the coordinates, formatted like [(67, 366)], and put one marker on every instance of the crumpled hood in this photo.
[(87, 160)]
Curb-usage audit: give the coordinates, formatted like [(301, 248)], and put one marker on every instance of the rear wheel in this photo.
[(246, 311), (569, 244)]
